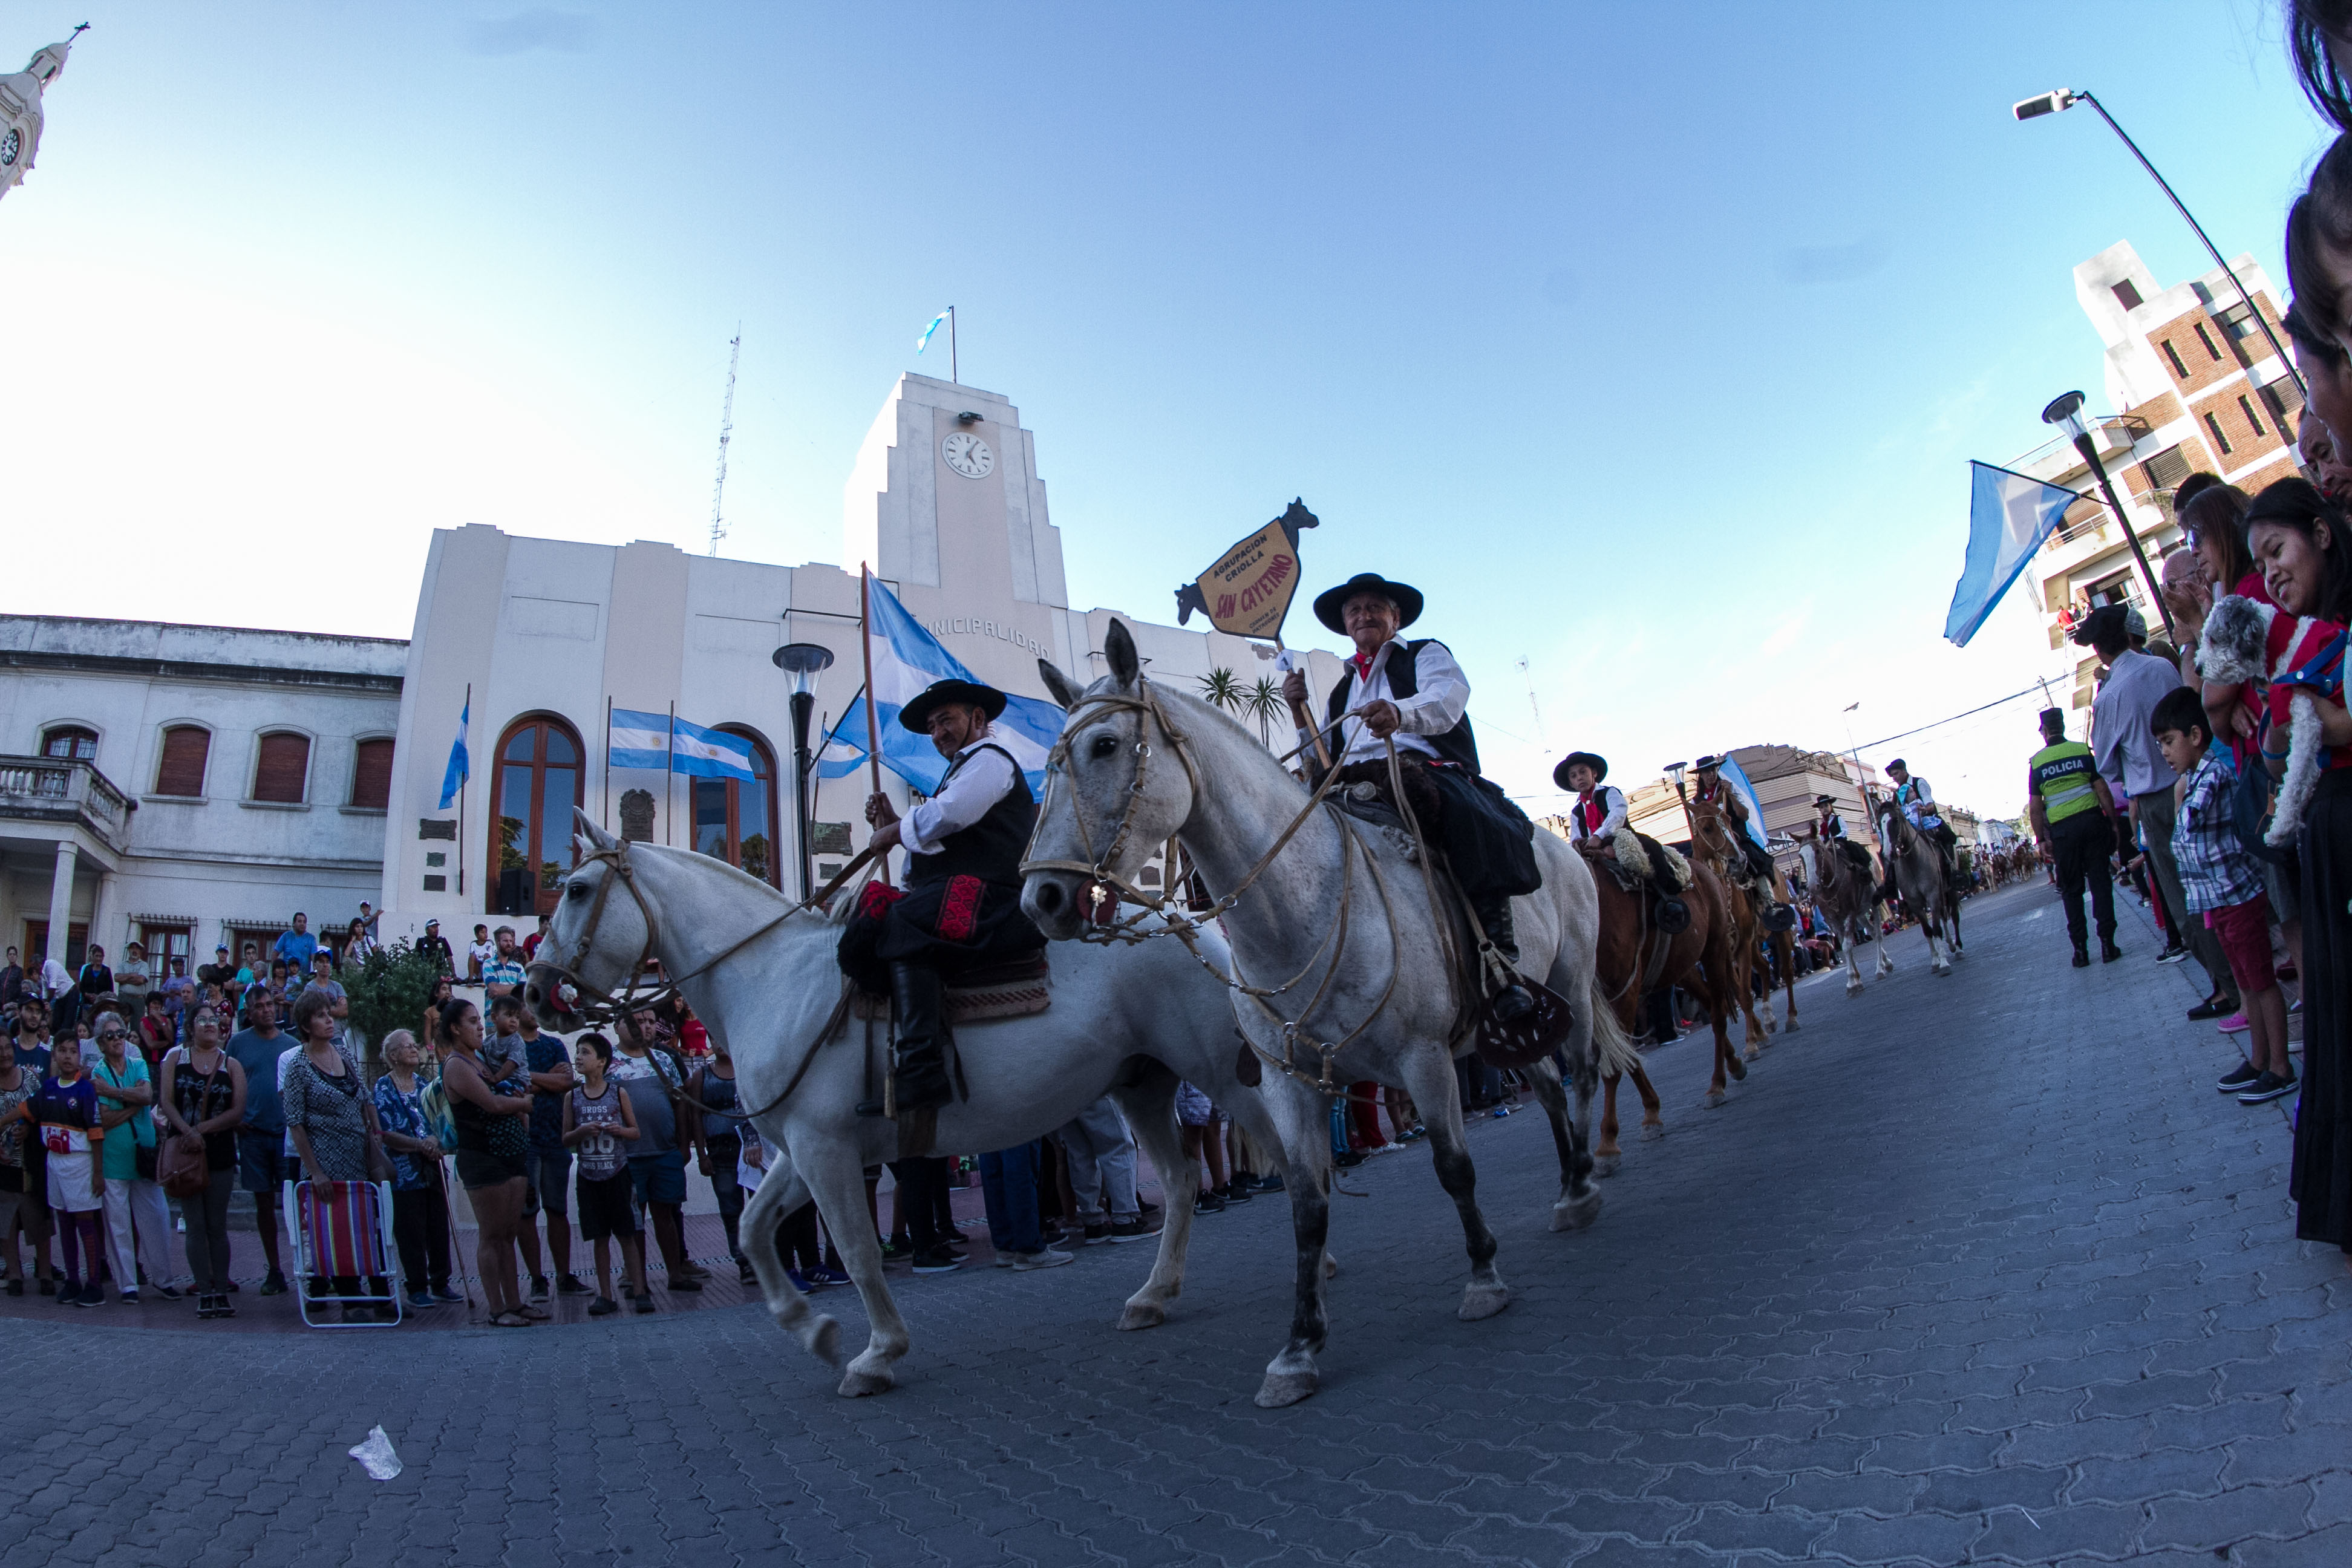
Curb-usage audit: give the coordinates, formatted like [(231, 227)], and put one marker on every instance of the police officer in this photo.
[(2071, 810)]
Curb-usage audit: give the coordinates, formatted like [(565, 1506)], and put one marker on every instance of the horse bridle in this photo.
[(597, 1005), (1102, 880)]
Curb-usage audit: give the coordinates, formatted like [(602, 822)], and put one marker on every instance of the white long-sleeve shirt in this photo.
[(983, 776), (1441, 698), (1612, 804)]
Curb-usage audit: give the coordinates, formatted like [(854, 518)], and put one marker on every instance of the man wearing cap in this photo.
[(434, 942), (2124, 740), (961, 906), (1415, 694), (2070, 808)]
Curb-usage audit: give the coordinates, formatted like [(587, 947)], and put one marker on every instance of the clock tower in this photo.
[(20, 110)]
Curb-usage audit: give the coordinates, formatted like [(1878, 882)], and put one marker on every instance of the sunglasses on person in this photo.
[(114, 1033)]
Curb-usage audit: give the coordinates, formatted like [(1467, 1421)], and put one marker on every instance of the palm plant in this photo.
[(1224, 690), (1265, 705)]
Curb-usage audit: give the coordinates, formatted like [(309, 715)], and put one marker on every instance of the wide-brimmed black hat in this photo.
[(1824, 800), (1593, 759), (916, 714), (1707, 762), (1329, 603)]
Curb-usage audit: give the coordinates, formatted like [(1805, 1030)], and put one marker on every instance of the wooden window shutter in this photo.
[(279, 776), (372, 774), (182, 770)]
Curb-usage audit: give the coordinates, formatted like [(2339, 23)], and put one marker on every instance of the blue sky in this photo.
[(1651, 342)]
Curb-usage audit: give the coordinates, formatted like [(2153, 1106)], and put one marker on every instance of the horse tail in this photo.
[(1613, 1049)]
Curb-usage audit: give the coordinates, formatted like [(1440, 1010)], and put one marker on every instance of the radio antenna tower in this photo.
[(726, 431)]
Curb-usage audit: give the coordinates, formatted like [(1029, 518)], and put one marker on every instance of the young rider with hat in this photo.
[(961, 906), (1829, 827), (1415, 694), (1714, 792), (1599, 808)]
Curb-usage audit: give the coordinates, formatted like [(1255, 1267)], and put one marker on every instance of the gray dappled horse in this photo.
[(1925, 881), (1844, 893), (760, 973), (1343, 910)]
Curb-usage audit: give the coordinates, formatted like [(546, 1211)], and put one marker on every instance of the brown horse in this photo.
[(1712, 845), (1632, 956)]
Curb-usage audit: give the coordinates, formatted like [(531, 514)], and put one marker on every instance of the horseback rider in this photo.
[(960, 909), (1599, 816), (1916, 800), (1414, 693), (1714, 792), (1829, 827)]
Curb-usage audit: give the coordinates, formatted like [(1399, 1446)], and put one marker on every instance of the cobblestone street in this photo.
[(1969, 1270)]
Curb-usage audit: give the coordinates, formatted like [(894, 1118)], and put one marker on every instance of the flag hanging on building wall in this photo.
[(461, 766), (907, 659), (2009, 517)]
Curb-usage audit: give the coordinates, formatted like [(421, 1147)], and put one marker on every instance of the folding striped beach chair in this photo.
[(343, 1230)]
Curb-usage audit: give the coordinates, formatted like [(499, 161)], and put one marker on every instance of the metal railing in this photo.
[(44, 787)]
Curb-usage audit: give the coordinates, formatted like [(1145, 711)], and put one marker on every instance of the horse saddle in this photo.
[(1013, 990)]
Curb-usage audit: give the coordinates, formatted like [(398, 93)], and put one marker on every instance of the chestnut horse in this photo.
[(1712, 833), (1631, 957)]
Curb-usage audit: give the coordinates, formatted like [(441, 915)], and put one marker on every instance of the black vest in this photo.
[(990, 848), (1459, 745)]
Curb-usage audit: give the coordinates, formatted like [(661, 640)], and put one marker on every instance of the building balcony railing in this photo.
[(60, 790)]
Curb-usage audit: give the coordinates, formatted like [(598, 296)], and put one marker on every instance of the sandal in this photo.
[(509, 1320), (535, 1314)]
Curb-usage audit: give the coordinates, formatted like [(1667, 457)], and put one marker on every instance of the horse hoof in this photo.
[(1141, 1314), (1738, 1068), (856, 1385), (1751, 1053), (1575, 1213), (1604, 1165), (822, 1340), (1854, 988), (1714, 1100), (1653, 1131), (1281, 1388), (1330, 1267), (1483, 1300), (1792, 1025), (1940, 969)]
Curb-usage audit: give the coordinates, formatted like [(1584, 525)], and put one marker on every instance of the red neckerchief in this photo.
[(1363, 663)]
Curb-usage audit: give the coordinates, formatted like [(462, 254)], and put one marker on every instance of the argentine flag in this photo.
[(907, 659), (2009, 517), (1735, 777), (655, 741), (461, 766), (925, 340)]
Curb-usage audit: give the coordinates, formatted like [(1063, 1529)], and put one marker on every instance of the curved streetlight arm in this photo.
[(2086, 96)]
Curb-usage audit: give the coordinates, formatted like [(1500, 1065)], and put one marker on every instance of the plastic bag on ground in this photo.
[(376, 1456)]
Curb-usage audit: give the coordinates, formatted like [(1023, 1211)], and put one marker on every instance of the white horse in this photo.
[(763, 979), (1843, 894), (1337, 926)]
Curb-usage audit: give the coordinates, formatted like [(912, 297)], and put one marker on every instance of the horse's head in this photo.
[(597, 937), (1116, 790)]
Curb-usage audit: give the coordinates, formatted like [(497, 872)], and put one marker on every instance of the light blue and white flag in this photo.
[(925, 340), (907, 659), (461, 766), (1734, 778), (655, 741), (2009, 517), (709, 753), (640, 739)]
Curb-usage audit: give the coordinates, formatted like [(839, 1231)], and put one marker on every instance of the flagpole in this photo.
[(462, 783), (1298, 713), (669, 774), (955, 374), (866, 652), (604, 815)]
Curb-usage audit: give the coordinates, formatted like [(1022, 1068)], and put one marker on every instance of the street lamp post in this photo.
[(802, 661), (2064, 98), (2066, 412)]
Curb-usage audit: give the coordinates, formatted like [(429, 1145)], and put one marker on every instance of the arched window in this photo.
[(281, 768), (372, 773), (538, 781), (735, 819), (181, 769), (69, 741)]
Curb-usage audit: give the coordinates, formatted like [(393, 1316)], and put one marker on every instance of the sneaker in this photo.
[(421, 1300), (684, 1282), (938, 1260), (69, 1293), (223, 1307), (645, 1302), (1004, 1260), (826, 1276), (1502, 1110), (2232, 1082), (1208, 1203), (168, 1293), (743, 1272), (1236, 1191), (2262, 1092), (93, 1295), (273, 1285), (1273, 1184), (2211, 1007), (48, 1284), (571, 1284), (1126, 1230), (1349, 1160), (603, 1307), (1043, 1257), (129, 1298), (233, 1287), (2172, 955), (443, 1294), (16, 1286), (1096, 1235), (1414, 1132), (538, 1287), (800, 1282), (2235, 1024), (896, 1251)]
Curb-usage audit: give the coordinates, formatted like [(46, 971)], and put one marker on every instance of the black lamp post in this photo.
[(802, 661), (2066, 412)]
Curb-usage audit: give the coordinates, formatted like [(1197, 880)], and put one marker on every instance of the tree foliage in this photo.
[(388, 990)]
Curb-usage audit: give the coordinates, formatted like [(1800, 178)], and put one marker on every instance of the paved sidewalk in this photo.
[(1970, 1270)]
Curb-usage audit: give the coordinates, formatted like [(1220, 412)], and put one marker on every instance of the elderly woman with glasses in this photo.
[(134, 1203)]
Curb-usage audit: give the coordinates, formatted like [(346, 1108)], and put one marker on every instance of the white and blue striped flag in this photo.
[(1734, 778), (2009, 517), (461, 766), (925, 340), (907, 659), (656, 741)]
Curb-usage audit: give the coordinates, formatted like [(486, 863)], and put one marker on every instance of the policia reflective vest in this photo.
[(2062, 777)]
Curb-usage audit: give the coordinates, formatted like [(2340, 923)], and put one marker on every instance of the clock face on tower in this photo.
[(968, 455), (10, 146)]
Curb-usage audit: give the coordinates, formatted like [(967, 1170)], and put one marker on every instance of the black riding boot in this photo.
[(919, 1067), (1515, 1001)]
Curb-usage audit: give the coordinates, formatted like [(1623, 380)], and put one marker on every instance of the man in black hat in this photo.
[(1415, 694), (961, 906), (1829, 827), (1712, 791)]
